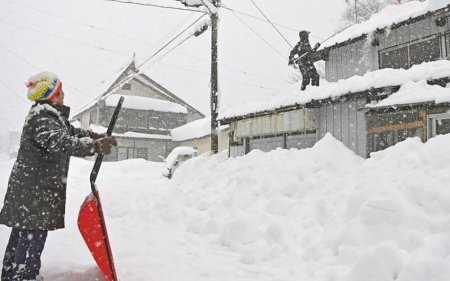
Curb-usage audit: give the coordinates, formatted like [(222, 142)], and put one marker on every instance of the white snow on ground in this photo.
[(388, 16), (314, 214), (375, 79)]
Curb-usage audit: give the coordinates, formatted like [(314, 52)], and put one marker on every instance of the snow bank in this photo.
[(388, 16), (315, 214), (144, 103), (375, 79)]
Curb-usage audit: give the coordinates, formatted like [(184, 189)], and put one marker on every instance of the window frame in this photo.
[(431, 122), (409, 44)]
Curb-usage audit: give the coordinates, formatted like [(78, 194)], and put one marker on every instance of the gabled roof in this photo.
[(131, 71), (389, 17)]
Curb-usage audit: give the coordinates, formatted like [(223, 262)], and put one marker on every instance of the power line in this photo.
[(260, 19), (249, 27), (12, 91), (226, 79), (262, 13), (39, 69), (167, 44), (82, 23), (64, 38), (171, 32), (131, 76), (222, 66), (157, 6)]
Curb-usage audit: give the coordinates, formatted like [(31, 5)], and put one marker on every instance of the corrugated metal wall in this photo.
[(347, 123), (360, 57)]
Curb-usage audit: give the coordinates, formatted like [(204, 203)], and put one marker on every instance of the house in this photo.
[(148, 114), (385, 81), (197, 134)]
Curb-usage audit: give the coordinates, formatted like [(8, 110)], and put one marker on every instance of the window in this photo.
[(409, 55), (126, 86), (397, 58), (438, 124), (448, 45), (141, 153), (429, 50)]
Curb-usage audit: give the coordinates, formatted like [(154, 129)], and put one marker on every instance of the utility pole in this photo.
[(214, 80), (356, 11)]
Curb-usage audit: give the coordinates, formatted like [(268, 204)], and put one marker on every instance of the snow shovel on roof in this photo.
[(91, 221)]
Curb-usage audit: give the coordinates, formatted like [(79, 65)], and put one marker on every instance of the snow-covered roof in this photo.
[(371, 80), (144, 103), (413, 92), (101, 129), (392, 14), (193, 130)]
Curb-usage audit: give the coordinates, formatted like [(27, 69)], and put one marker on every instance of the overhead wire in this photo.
[(262, 13), (221, 78), (39, 69), (257, 34), (12, 91), (81, 23), (261, 19), (63, 38), (155, 5), (132, 75), (173, 30)]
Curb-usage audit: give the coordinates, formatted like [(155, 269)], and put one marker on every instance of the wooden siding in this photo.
[(360, 57)]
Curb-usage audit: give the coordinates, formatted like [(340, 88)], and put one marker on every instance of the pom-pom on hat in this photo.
[(43, 86)]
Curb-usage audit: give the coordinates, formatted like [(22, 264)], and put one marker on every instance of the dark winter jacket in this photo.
[(36, 195), (302, 49)]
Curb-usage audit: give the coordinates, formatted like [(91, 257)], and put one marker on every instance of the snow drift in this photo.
[(321, 213)]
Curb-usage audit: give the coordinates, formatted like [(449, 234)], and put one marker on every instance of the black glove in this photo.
[(316, 46), (96, 136), (104, 145)]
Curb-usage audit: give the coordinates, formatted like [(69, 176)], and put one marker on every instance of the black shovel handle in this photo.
[(99, 159)]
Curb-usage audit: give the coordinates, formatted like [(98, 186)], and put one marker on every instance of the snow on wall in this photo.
[(376, 79), (143, 103), (388, 16)]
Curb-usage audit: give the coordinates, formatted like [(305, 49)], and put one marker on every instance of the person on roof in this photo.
[(302, 54), (36, 196)]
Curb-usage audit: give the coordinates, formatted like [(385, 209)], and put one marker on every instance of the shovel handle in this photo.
[(99, 159)]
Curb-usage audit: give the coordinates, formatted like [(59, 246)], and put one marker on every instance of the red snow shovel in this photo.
[(91, 222)]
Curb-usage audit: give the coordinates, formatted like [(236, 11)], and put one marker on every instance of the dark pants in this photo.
[(23, 255), (309, 74)]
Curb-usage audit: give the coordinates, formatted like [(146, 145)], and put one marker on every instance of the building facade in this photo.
[(349, 116), (148, 114)]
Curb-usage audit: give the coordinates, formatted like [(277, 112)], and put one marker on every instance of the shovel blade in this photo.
[(92, 228)]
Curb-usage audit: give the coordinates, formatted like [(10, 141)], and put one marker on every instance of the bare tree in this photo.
[(361, 10)]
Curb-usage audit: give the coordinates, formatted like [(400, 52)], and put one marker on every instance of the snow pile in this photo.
[(375, 79), (144, 103), (388, 16), (316, 214)]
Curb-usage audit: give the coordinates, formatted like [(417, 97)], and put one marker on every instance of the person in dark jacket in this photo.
[(302, 54), (36, 196)]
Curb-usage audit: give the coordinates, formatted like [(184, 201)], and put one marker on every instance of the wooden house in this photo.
[(148, 114), (366, 65)]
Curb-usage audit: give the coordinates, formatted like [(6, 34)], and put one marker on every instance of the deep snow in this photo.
[(315, 214)]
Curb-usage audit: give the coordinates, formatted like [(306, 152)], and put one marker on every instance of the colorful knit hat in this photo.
[(43, 86)]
